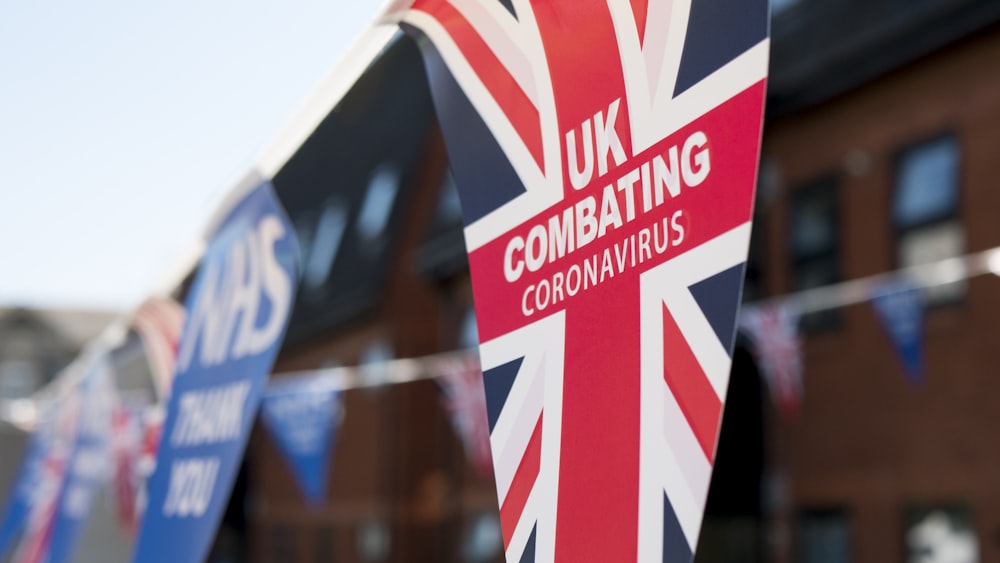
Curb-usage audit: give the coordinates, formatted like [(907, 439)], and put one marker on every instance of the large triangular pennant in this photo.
[(303, 414), (464, 399), (595, 145)]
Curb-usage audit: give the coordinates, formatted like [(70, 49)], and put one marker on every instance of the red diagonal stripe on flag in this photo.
[(516, 105), (640, 9), (687, 381), (520, 487)]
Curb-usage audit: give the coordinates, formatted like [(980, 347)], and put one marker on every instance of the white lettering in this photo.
[(210, 415), (525, 309), (586, 221), (536, 248), (542, 294), (277, 286), (192, 482), (626, 184), (678, 227), (512, 269), (695, 176), (250, 264), (580, 178), (664, 175), (606, 139), (561, 238), (611, 215)]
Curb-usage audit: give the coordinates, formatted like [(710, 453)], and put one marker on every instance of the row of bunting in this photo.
[(92, 436), (773, 330)]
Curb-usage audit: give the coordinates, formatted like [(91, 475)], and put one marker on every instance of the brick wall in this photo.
[(867, 441)]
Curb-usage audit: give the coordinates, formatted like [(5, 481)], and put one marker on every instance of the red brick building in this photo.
[(866, 174)]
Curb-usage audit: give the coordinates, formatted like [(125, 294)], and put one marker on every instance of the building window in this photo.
[(326, 544), (319, 252), (815, 245), (374, 540), (377, 206), (483, 539), (925, 211), (940, 533), (284, 544), (823, 536), (779, 6)]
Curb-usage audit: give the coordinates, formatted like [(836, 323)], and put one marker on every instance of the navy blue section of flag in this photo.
[(529, 548), (498, 382), (719, 299), (719, 31), (675, 546), (509, 5)]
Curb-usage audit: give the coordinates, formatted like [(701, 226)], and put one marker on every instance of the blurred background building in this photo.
[(880, 152), (35, 345)]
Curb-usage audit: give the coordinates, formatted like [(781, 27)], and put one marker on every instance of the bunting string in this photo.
[(24, 413), (859, 290)]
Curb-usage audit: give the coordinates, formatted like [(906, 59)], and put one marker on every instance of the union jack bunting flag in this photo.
[(135, 436), (158, 322), (605, 153), (126, 437), (48, 485), (773, 329)]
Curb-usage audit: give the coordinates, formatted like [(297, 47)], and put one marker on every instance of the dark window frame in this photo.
[(899, 233), (898, 160), (804, 513), (831, 182)]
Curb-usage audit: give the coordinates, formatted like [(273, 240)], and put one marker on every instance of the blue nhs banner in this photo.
[(26, 485), (237, 312)]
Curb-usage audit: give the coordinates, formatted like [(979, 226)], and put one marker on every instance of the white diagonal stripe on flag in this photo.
[(684, 446), (502, 33)]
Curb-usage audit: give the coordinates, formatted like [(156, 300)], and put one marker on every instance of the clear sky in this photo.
[(123, 124)]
